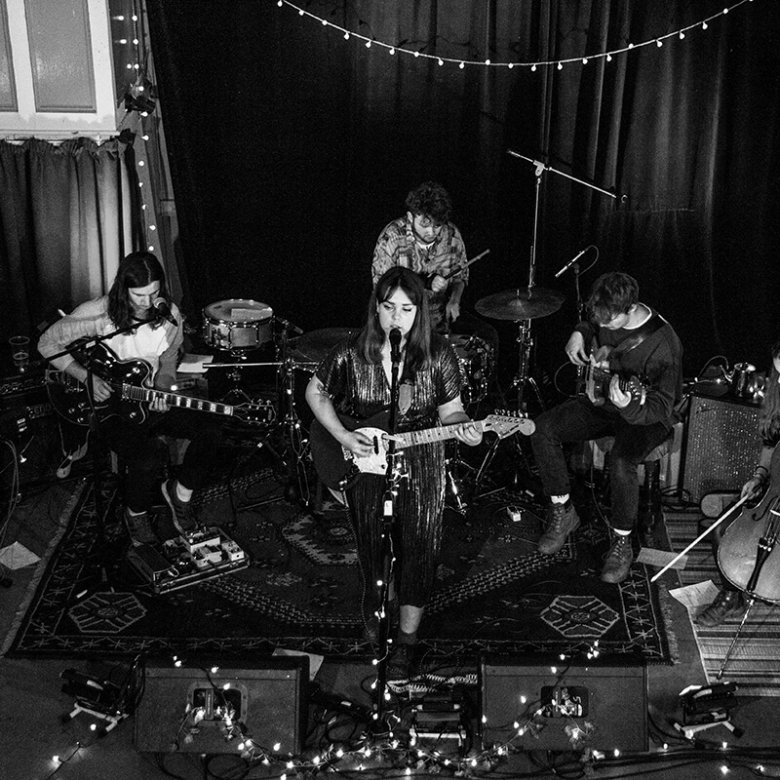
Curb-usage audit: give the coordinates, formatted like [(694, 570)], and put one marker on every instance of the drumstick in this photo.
[(473, 260), (699, 538)]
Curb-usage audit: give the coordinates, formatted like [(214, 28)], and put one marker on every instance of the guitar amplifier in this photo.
[(722, 446), (28, 426)]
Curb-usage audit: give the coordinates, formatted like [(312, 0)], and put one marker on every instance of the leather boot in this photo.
[(727, 604)]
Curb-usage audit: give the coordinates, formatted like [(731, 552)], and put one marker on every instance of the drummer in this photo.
[(425, 240)]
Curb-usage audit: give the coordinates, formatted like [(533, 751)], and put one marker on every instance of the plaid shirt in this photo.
[(397, 246)]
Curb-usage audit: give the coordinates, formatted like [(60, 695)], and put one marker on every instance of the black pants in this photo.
[(140, 448), (577, 419)]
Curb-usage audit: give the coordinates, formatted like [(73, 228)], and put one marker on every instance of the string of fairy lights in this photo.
[(461, 63), (138, 107)]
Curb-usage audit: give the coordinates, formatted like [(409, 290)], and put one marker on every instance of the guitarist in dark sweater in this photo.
[(138, 297), (633, 363)]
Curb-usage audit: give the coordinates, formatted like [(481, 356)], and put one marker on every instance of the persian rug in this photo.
[(495, 593), (754, 663)]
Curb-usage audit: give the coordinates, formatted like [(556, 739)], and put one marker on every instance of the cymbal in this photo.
[(520, 304), (315, 345)]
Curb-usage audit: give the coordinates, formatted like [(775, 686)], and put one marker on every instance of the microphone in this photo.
[(395, 344), (572, 261), (163, 309), (287, 325)]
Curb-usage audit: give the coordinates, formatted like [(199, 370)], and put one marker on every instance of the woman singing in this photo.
[(355, 380)]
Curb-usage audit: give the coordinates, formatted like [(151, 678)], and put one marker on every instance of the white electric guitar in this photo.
[(337, 466)]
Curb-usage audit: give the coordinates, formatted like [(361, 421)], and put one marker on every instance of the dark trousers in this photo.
[(577, 419), (141, 450)]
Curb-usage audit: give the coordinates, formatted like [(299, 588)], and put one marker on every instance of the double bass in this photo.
[(748, 553)]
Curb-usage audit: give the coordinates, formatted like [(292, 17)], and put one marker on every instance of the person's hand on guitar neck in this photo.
[(619, 397)]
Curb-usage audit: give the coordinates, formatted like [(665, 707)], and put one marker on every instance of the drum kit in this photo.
[(243, 328)]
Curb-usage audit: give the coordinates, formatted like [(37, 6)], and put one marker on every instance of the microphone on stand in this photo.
[(395, 345), (287, 325), (572, 261), (163, 309)]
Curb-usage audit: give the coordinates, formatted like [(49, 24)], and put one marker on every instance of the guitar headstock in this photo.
[(255, 413), (506, 422)]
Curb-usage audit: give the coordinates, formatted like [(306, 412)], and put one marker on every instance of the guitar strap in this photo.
[(655, 323)]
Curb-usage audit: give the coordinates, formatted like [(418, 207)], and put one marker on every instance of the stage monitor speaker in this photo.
[(721, 447), (547, 704), (182, 709)]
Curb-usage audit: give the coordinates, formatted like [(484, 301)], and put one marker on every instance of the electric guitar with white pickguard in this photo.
[(337, 467)]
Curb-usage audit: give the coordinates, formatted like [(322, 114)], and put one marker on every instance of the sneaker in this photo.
[(140, 528), (399, 663), (619, 559), (181, 513), (727, 604), (562, 519)]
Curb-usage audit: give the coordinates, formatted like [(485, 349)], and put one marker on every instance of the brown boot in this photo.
[(727, 604), (562, 519), (619, 559)]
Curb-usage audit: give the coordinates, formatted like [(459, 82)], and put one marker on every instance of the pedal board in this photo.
[(187, 560)]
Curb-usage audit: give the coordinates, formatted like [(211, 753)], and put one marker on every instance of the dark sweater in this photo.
[(656, 361)]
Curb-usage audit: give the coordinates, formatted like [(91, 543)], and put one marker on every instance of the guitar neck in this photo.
[(429, 435), (134, 393)]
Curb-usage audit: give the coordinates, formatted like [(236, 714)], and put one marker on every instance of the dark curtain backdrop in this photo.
[(291, 148), (62, 227)]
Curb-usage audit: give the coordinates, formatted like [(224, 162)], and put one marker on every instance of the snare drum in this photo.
[(475, 358), (236, 324)]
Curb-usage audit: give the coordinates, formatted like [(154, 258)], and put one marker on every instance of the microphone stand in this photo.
[(524, 338), (386, 542), (96, 432)]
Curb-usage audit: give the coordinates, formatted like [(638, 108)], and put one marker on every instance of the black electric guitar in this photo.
[(131, 381), (596, 381), (337, 467)]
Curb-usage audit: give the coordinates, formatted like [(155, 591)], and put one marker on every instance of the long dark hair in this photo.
[(138, 269), (418, 341), (769, 418)]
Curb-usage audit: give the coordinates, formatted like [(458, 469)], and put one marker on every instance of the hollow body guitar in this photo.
[(338, 468), (131, 381), (596, 381)]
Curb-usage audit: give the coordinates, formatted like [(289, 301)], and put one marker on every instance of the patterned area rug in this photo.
[(494, 594), (754, 663)]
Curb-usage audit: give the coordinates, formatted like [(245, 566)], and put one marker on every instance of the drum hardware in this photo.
[(521, 306), (459, 483), (313, 347)]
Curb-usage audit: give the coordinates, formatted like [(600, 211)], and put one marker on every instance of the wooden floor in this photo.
[(35, 726)]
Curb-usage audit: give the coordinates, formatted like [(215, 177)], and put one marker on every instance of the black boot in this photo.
[(727, 604)]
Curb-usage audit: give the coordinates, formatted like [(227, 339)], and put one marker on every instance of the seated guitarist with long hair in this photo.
[(634, 385), (138, 304), (354, 382)]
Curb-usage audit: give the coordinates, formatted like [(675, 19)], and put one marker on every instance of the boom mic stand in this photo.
[(525, 338)]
